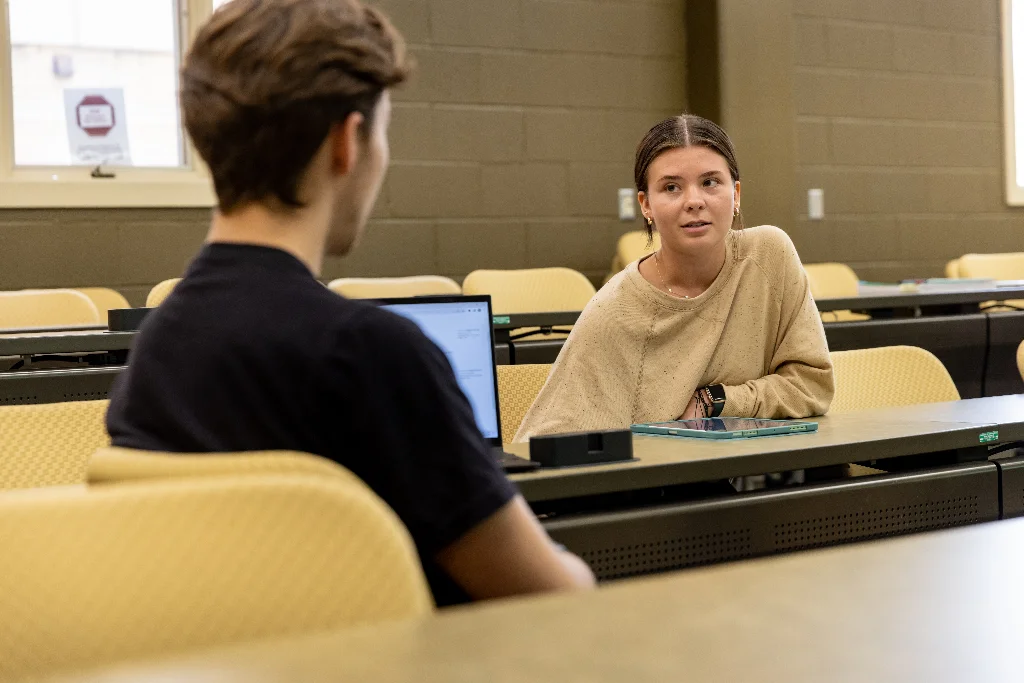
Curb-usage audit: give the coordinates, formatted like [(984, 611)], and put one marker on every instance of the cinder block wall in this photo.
[(507, 150), (899, 119)]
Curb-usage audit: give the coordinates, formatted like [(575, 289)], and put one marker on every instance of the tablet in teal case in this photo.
[(725, 427)]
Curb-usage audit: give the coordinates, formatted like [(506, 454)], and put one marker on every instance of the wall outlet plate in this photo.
[(627, 204)]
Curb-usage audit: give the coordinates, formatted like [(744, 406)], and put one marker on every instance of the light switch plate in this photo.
[(816, 204), (627, 204)]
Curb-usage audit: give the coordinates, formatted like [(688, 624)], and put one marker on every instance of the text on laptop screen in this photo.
[(463, 332)]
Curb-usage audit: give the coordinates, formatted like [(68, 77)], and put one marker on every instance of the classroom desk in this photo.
[(65, 341), (963, 301), (111, 348), (843, 438), (940, 607), (56, 386), (645, 516)]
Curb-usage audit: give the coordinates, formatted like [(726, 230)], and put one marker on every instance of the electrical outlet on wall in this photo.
[(816, 204), (627, 204)]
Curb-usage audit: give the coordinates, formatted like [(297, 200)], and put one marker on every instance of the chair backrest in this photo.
[(106, 299), (831, 280), (46, 308), (1020, 359), (394, 287), (631, 246), (997, 266), (952, 269), (161, 291), (532, 290), (887, 377), (49, 444), (96, 576), (518, 386), (113, 464)]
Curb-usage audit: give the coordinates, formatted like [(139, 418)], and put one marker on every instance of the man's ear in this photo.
[(345, 142)]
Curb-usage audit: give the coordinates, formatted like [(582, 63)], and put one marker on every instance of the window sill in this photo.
[(133, 189)]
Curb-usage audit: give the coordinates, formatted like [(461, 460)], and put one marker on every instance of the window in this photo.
[(89, 112), (1013, 102)]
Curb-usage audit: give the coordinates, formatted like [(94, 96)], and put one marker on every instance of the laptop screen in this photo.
[(462, 330)]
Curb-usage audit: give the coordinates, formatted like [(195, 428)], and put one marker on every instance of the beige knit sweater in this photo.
[(637, 354)]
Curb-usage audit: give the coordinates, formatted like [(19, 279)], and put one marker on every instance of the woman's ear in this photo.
[(645, 206), (736, 195)]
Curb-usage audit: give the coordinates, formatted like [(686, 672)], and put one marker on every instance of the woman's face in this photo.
[(691, 197)]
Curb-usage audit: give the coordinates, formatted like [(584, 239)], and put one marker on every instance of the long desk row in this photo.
[(673, 508), (928, 608), (978, 349)]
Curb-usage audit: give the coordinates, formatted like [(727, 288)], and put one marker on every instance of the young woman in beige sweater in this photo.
[(717, 321)]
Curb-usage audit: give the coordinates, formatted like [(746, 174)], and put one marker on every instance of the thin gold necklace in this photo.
[(657, 264)]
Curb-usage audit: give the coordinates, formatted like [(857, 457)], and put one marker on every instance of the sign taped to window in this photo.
[(97, 126)]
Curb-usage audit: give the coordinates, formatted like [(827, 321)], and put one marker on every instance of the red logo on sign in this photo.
[(95, 115)]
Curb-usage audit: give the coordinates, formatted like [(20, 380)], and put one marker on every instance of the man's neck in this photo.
[(301, 233)]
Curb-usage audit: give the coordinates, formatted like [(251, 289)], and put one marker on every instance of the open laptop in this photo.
[(461, 327)]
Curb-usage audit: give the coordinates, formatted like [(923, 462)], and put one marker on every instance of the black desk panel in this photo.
[(1006, 332), (56, 386), (668, 537), (65, 342), (536, 351), (959, 341)]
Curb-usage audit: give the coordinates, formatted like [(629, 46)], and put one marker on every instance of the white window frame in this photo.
[(1014, 192), (73, 186)]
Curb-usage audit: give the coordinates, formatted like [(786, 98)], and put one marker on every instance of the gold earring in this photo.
[(737, 211), (650, 222)]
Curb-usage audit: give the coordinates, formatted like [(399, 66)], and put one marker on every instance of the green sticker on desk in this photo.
[(988, 437), (501, 320)]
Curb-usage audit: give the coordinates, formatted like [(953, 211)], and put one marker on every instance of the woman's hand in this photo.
[(692, 411)]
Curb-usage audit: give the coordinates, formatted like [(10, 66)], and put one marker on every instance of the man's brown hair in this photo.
[(266, 80)]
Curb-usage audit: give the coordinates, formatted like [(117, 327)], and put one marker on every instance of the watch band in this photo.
[(717, 394)]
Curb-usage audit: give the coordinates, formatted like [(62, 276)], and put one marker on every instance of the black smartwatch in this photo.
[(717, 394)]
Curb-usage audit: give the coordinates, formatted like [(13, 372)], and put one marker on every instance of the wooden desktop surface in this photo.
[(843, 438), (943, 607), (66, 341)]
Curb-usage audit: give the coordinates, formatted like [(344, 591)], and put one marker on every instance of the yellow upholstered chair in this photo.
[(887, 377), (531, 290), (632, 246), (46, 308), (518, 386), (49, 444), (952, 269), (111, 573), (113, 464), (106, 299), (1020, 359), (996, 266), (834, 281), (394, 287), (161, 291)]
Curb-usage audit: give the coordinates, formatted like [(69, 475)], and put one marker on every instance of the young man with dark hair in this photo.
[(287, 103)]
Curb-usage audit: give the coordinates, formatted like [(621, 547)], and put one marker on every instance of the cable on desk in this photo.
[(993, 450)]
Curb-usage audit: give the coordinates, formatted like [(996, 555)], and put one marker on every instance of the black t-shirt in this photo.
[(250, 352)]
